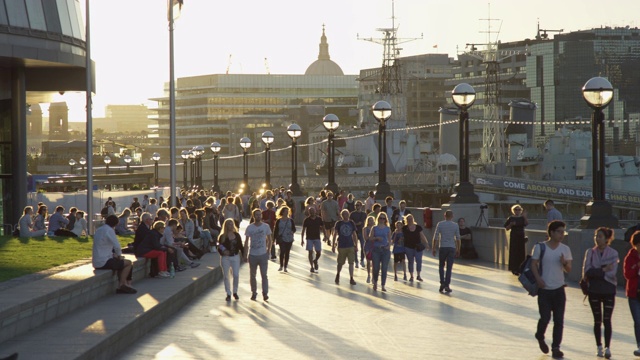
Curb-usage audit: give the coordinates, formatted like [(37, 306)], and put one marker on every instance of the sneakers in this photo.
[(315, 264), (607, 353), (312, 271), (265, 297), (164, 274), (194, 265), (124, 289), (352, 282), (280, 268), (543, 346), (254, 296), (419, 278), (181, 268), (235, 296), (411, 279), (368, 279), (442, 290), (600, 351), (556, 353), (447, 289), (637, 352), (285, 270), (228, 298), (383, 289)]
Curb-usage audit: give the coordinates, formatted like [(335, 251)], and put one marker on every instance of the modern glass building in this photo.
[(557, 69), (42, 52)]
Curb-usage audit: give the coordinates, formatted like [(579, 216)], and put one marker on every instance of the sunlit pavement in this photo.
[(487, 316)]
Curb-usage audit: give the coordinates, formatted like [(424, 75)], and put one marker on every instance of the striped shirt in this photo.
[(448, 231)]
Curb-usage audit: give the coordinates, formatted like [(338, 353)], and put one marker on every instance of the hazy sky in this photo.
[(130, 40)]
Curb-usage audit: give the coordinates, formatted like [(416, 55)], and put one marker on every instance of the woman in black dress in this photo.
[(516, 224)]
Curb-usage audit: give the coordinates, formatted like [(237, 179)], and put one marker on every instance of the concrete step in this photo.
[(113, 322), (34, 303)]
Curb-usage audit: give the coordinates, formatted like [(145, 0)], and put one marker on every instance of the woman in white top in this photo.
[(80, 226), (231, 211), (123, 222), (26, 224)]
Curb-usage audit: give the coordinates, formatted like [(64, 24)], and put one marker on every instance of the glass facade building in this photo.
[(42, 52)]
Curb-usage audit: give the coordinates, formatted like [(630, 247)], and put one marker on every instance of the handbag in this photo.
[(420, 247), (584, 285)]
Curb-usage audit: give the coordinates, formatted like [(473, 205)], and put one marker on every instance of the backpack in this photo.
[(526, 277), (630, 231)]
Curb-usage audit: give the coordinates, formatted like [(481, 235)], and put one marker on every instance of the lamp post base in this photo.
[(383, 189), (295, 189), (599, 213), (463, 194), (333, 187)]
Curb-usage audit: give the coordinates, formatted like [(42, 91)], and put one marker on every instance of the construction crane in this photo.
[(266, 66), (228, 64)]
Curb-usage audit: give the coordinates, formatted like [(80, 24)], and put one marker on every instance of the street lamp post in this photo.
[(185, 157), (127, 160), (245, 143), (598, 93), (192, 169), (155, 157), (331, 123), (294, 131), (267, 139), (72, 163), (464, 96), (198, 151), (382, 112), (83, 162), (215, 148), (107, 161)]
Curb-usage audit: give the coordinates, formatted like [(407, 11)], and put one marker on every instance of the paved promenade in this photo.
[(487, 316)]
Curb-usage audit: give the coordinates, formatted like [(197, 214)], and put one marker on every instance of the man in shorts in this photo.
[(107, 254), (330, 213), (311, 226), (347, 243)]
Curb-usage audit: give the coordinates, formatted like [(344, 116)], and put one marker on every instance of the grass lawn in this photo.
[(22, 256)]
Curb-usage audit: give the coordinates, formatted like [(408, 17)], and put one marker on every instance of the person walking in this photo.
[(230, 249), (283, 233), (312, 226), (258, 242), (414, 245), (368, 244), (397, 238), (600, 268), (446, 240), (516, 223), (381, 237), (345, 231), (552, 212), (632, 275), (551, 295), (358, 217), (329, 211)]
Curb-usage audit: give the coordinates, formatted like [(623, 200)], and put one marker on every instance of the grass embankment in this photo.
[(23, 256)]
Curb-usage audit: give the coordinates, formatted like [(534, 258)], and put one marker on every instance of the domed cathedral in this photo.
[(324, 65)]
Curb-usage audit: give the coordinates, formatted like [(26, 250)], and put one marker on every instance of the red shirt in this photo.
[(631, 267), (269, 217)]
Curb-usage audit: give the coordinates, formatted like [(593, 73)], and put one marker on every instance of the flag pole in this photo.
[(89, 135), (172, 112)]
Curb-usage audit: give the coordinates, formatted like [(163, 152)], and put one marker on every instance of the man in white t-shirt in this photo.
[(551, 295), (258, 241)]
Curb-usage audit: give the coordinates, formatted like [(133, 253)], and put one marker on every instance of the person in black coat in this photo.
[(388, 208), (141, 232), (400, 212), (516, 223), (151, 248)]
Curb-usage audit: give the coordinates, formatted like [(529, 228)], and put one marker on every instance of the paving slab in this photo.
[(487, 316)]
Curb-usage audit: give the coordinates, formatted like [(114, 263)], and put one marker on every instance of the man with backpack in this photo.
[(551, 295)]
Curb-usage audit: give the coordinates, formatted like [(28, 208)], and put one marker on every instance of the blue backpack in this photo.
[(526, 278)]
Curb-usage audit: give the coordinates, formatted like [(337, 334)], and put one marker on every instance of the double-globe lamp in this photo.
[(215, 148), (267, 139)]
